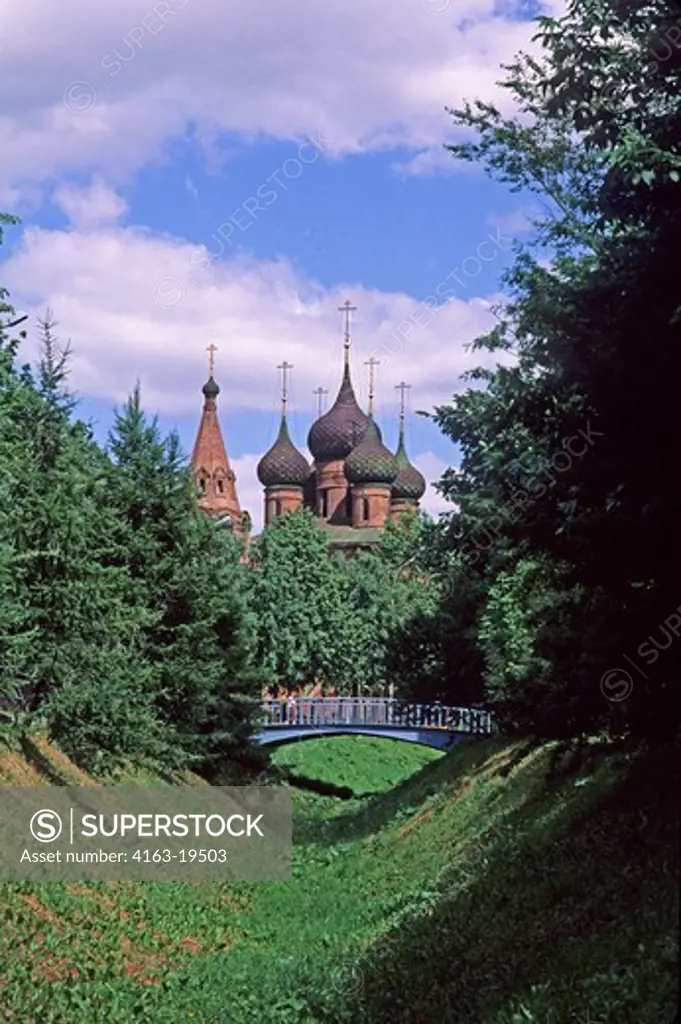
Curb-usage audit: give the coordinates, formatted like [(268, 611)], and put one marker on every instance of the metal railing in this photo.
[(381, 712)]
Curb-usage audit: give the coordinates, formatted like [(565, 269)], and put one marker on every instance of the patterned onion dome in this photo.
[(210, 388), (371, 462), (410, 485), (337, 432), (283, 464)]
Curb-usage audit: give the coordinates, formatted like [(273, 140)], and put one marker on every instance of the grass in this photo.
[(491, 886)]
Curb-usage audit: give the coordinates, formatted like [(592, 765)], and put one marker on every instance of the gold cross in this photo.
[(347, 308), (372, 363), (211, 350), (284, 367), (320, 392), (402, 387)]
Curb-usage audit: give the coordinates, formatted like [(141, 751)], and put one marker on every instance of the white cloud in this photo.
[(191, 188), (91, 206), (124, 298), (104, 87), (517, 222), (432, 468), (434, 160)]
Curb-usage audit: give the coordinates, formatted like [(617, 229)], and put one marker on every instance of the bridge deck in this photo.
[(321, 713)]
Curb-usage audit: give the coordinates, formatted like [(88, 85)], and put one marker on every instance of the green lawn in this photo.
[(472, 887)]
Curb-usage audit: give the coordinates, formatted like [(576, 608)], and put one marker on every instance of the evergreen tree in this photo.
[(71, 628), (187, 577)]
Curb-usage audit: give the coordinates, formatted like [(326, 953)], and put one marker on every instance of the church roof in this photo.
[(371, 462), (335, 434), (410, 484), (210, 388), (209, 461), (283, 463)]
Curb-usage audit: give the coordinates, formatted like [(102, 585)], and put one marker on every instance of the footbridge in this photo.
[(433, 725)]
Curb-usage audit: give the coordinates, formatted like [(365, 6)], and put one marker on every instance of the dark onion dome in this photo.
[(371, 462), (410, 484), (337, 432), (210, 389), (283, 464)]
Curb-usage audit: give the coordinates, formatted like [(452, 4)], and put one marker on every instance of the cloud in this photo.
[(517, 222), (434, 160), (191, 188), (124, 297), (432, 468), (91, 206), (104, 88)]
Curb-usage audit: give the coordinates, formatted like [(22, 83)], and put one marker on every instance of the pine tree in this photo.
[(71, 627), (186, 571)]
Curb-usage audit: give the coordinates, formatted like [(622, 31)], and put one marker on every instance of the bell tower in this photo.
[(215, 478)]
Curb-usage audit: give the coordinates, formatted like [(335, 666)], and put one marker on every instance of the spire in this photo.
[(402, 388), (347, 308), (215, 478), (335, 434), (410, 485), (284, 367), (211, 350), (372, 363), (320, 392)]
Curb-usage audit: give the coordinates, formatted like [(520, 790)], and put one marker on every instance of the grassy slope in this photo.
[(467, 888)]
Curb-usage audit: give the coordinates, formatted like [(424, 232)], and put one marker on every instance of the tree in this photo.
[(188, 582), (434, 654), (564, 452), (67, 628), (292, 596)]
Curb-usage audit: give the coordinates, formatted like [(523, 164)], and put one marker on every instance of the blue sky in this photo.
[(188, 174)]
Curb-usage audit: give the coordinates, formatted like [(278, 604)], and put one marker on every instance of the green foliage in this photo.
[(564, 448), (332, 619), (292, 597), (185, 573), (123, 627), (537, 678)]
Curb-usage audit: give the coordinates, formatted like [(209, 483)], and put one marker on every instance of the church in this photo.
[(354, 485)]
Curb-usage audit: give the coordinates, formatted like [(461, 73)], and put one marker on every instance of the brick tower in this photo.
[(371, 469), (215, 479), (409, 485), (283, 471)]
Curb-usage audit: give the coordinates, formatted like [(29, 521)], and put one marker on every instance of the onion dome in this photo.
[(337, 432), (210, 389), (410, 484), (283, 464), (371, 462)]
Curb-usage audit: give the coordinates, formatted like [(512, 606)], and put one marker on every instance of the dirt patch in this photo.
[(42, 912), (14, 771), (54, 969), (142, 966), (63, 764), (190, 945), (417, 820)]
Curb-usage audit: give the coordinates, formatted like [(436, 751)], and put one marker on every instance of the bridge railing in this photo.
[(318, 712)]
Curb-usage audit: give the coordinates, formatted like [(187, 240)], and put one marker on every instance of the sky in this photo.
[(214, 172)]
